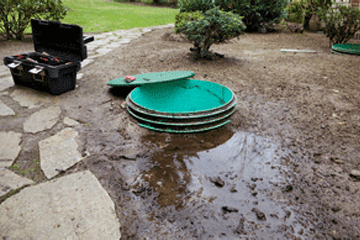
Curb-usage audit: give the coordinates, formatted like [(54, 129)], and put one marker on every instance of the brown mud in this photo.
[(279, 170)]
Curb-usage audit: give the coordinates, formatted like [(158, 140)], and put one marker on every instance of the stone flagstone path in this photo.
[(73, 206)]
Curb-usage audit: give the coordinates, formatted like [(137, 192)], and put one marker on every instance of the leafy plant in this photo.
[(341, 23), (216, 27), (258, 14), (295, 11), (182, 18), (15, 15), (301, 11), (195, 5)]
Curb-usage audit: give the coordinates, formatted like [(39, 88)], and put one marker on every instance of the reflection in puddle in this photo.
[(231, 188)]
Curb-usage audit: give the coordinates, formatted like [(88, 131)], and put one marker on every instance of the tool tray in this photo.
[(59, 49)]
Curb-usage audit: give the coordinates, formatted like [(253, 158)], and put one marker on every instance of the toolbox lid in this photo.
[(148, 78), (58, 39)]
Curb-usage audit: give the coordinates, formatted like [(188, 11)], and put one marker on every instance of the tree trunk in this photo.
[(307, 21)]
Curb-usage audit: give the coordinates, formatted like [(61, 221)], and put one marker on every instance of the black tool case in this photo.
[(59, 49)]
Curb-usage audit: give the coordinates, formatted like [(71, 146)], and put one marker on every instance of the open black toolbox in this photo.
[(59, 50)]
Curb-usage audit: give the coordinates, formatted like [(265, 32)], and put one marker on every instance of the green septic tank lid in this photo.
[(350, 48), (153, 77), (183, 106), (182, 96)]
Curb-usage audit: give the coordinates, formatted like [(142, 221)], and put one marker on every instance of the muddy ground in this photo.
[(283, 162)]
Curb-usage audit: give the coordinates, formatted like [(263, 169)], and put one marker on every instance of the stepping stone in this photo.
[(71, 207), (4, 71), (79, 76), (5, 110), (42, 120), (31, 98), (6, 82), (9, 147), (103, 51), (10, 181), (59, 152), (86, 62), (70, 122)]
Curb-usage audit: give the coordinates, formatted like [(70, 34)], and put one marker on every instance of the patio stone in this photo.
[(30, 98), (71, 207), (9, 147), (59, 152), (6, 82), (5, 110), (10, 181), (42, 120)]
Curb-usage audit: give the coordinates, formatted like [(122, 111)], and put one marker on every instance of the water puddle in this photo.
[(221, 186)]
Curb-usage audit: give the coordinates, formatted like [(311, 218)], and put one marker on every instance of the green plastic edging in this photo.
[(185, 96), (199, 122), (185, 130), (151, 78), (156, 114), (350, 48)]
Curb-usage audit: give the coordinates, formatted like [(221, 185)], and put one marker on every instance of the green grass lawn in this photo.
[(104, 16)]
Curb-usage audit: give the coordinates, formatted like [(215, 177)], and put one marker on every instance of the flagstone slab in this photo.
[(70, 122), (86, 62), (9, 147), (4, 71), (42, 120), (6, 82), (31, 98), (5, 110), (59, 152), (10, 181), (71, 207)]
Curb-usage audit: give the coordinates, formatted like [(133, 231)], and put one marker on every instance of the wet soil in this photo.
[(279, 170)]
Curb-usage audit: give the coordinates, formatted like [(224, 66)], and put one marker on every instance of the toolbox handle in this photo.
[(88, 39)]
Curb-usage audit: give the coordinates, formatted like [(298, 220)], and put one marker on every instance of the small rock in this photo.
[(260, 215), (336, 209), (123, 105), (240, 228), (229, 209), (233, 189), (355, 174), (252, 186), (288, 188), (218, 182)]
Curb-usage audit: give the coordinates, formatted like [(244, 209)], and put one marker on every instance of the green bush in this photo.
[(16, 15), (295, 11), (301, 11), (341, 23), (258, 14), (195, 5), (216, 27), (182, 18)]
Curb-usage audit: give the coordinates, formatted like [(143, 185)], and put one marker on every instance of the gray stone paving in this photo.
[(5, 110), (10, 181), (73, 206), (70, 122), (59, 152), (9, 147), (42, 120), (6, 82), (30, 98)]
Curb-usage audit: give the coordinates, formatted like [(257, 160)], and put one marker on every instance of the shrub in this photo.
[(182, 18), (295, 11), (195, 5), (341, 23), (258, 14), (216, 27), (15, 15)]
